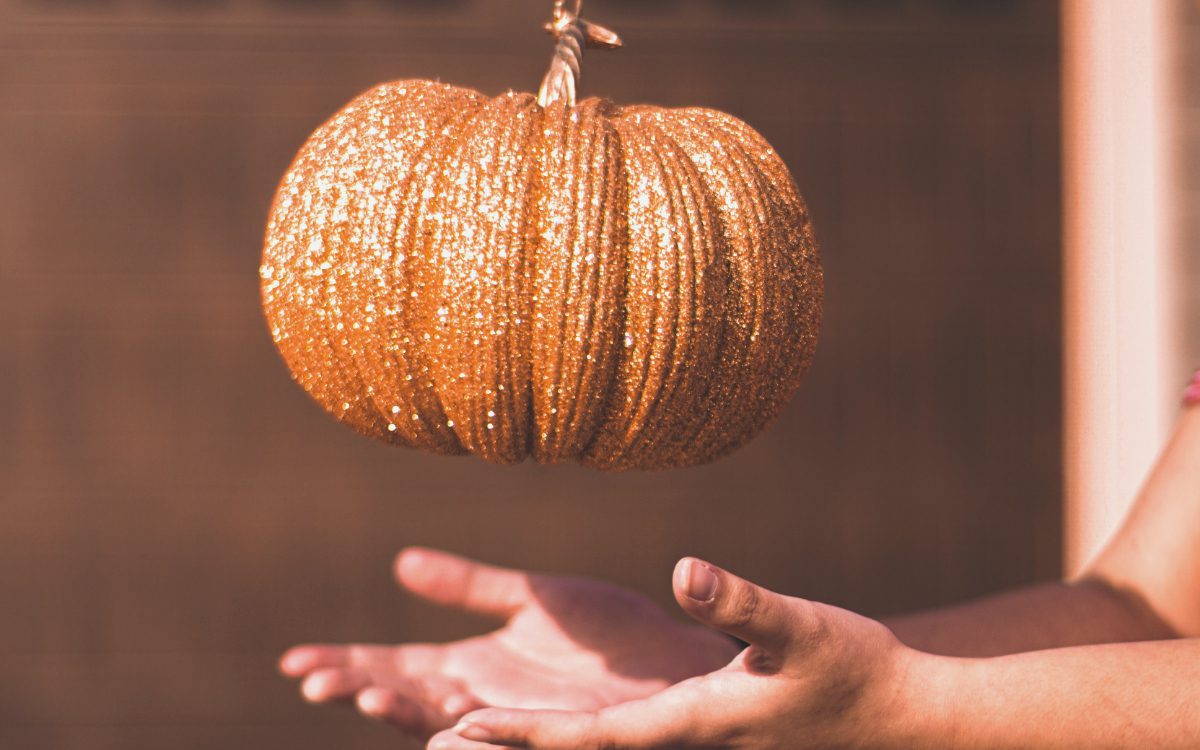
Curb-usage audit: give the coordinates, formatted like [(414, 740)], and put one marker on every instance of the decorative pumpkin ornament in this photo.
[(625, 287)]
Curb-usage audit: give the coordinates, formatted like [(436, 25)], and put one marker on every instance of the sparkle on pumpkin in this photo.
[(517, 256)]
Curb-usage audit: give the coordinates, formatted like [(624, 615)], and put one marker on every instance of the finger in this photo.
[(738, 607), (419, 706), (457, 582), (300, 660), (392, 708), (449, 739), (417, 659), (561, 730), (325, 685), (414, 716)]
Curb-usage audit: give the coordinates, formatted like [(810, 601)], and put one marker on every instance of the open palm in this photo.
[(566, 643)]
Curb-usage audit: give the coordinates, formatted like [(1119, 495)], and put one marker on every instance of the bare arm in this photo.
[(1052, 615), (1157, 551), (816, 677), (1144, 586), (1125, 695)]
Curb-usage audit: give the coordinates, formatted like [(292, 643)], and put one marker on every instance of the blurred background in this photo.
[(174, 511)]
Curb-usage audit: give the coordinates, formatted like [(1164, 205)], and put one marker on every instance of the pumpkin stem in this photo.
[(574, 34)]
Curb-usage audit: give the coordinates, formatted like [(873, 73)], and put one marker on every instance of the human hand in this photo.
[(566, 643), (814, 676)]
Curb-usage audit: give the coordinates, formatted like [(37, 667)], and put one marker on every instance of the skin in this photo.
[(566, 643), (1109, 660)]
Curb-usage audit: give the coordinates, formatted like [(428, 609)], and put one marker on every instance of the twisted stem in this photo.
[(573, 35)]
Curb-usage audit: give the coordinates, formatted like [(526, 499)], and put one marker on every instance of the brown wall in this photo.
[(174, 511), (1188, 70)]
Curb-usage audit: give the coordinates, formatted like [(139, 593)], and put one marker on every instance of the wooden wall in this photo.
[(174, 511)]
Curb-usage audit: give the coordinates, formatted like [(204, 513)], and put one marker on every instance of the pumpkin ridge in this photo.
[(513, 359), (361, 218), (486, 368), (619, 196), (426, 235), (703, 307), (468, 421), (487, 176), (767, 318), (337, 286), (282, 257), (597, 372), (802, 253), (712, 295), (659, 417), (787, 306), (732, 382), (577, 274), (682, 283), (577, 283), (359, 416), (381, 225), (666, 286), (531, 259), (518, 127), (425, 400), (516, 296), (585, 314), (545, 383), (634, 361), (277, 266), (565, 253), (803, 260), (754, 286)]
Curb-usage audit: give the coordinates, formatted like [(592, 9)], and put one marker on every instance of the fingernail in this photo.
[(701, 582), (471, 731)]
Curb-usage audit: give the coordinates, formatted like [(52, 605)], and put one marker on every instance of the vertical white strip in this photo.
[(1120, 376)]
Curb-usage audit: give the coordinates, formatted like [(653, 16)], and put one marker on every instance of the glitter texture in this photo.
[(627, 288)]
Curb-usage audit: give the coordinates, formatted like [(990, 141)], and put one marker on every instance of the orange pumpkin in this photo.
[(627, 287)]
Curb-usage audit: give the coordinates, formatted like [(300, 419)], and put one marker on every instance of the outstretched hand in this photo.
[(566, 643), (813, 676)]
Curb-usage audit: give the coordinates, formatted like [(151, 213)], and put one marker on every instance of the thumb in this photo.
[(738, 607)]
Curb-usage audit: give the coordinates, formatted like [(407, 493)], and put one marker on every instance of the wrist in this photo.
[(922, 710)]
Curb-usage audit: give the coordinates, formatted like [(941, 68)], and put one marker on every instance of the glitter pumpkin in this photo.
[(623, 287)]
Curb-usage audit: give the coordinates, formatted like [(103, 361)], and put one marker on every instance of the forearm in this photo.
[(1047, 616), (1130, 695), (1144, 586)]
